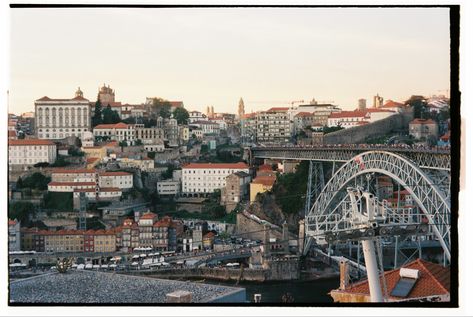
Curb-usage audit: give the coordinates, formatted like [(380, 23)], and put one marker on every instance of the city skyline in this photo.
[(263, 55)]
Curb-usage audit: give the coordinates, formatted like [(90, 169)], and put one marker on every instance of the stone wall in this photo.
[(376, 129), (248, 228)]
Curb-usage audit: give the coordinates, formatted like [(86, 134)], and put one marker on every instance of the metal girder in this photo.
[(424, 158), (315, 183), (323, 215)]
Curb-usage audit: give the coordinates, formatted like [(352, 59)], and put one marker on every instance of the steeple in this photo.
[(241, 108)]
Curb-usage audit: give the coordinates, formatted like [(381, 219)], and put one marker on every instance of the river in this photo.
[(303, 292)]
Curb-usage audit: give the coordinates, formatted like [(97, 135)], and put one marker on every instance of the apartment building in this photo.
[(116, 132), (273, 126), (27, 152), (205, 178)]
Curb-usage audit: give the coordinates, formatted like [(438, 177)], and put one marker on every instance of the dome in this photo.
[(79, 93)]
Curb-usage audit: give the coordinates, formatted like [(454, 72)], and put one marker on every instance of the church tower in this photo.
[(241, 108)]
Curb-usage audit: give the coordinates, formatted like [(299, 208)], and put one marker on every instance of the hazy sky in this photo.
[(205, 57)]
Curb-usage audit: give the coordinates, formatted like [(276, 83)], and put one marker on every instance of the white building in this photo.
[(222, 124), (196, 116), (28, 152), (207, 177), (207, 127), (116, 132), (349, 119), (154, 147), (168, 187), (122, 180), (61, 118)]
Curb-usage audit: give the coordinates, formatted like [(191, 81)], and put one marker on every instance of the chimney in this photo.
[(344, 275)]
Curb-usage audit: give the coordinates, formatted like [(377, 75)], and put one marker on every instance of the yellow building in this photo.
[(105, 241), (64, 241), (261, 184)]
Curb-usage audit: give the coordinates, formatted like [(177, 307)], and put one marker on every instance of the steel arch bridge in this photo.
[(431, 199)]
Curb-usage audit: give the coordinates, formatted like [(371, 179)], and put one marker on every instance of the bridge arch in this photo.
[(420, 186)]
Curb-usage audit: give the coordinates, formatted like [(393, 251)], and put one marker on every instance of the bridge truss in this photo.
[(429, 188)]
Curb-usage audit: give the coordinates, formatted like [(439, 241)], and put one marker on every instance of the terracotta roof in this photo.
[(110, 189), (27, 142), (264, 180), (11, 133), (148, 215), (278, 109), (239, 165), (422, 121), (114, 174), (249, 115), (92, 159), (265, 167), (71, 184), (165, 222), (446, 136), (73, 171), (176, 104), (46, 98), (209, 235), (348, 114), (128, 222), (304, 114), (392, 104), (11, 222), (434, 280), (119, 125)]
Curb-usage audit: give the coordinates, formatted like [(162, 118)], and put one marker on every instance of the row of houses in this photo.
[(148, 231)]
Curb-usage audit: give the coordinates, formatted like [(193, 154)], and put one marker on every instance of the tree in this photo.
[(97, 118), (418, 104), (110, 116), (123, 143), (78, 143), (60, 162), (36, 181), (21, 211), (181, 115), (165, 112), (161, 107), (19, 183), (138, 142)]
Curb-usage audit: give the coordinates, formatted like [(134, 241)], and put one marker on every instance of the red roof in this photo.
[(71, 184), (209, 235), (264, 180), (278, 109), (110, 189), (176, 104), (46, 98), (392, 104), (165, 222), (119, 125), (422, 121), (348, 114), (27, 142), (446, 136), (434, 280), (114, 174), (265, 167), (92, 159), (11, 222), (304, 114), (75, 171), (249, 115), (148, 215), (239, 165), (11, 133)]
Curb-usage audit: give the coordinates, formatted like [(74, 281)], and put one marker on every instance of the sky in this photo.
[(213, 56)]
